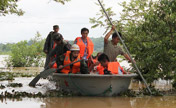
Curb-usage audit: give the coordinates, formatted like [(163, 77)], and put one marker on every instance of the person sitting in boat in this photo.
[(59, 48), (109, 67), (94, 63), (72, 56)]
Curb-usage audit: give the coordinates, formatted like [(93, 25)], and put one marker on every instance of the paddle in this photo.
[(126, 49), (35, 80), (47, 72)]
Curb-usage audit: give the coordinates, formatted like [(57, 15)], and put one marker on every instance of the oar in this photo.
[(126, 49), (48, 72), (35, 80)]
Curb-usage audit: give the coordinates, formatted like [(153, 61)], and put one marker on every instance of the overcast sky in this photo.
[(41, 15)]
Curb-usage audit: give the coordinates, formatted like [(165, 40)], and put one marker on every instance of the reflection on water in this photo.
[(114, 102), (161, 85), (88, 102), (92, 102)]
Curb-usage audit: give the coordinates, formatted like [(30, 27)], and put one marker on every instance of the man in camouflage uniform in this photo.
[(49, 43)]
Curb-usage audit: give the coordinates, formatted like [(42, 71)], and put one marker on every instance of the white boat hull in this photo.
[(93, 85)]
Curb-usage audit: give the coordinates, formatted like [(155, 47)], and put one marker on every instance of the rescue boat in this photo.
[(93, 84)]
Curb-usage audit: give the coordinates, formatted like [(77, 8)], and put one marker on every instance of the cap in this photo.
[(55, 26)]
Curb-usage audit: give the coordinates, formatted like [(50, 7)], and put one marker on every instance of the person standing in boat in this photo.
[(49, 44), (85, 43), (72, 56), (111, 48), (107, 67), (60, 47)]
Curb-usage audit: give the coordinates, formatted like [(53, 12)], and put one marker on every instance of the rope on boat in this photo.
[(108, 90)]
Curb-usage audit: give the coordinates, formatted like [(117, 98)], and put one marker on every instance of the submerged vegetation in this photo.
[(60, 93), (142, 92), (51, 93), (11, 75), (15, 85)]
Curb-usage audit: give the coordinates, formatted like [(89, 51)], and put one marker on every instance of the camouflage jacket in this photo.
[(49, 42), (60, 49)]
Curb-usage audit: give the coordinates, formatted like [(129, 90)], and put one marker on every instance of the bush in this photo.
[(25, 55)]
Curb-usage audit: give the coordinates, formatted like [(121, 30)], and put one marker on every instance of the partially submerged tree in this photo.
[(149, 30), (27, 54)]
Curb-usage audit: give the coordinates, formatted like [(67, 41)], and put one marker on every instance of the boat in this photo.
[(93, 84)]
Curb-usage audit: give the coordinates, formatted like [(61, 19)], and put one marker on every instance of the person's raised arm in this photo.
[(109, 34)]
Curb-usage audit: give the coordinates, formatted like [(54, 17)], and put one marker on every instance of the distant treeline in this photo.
[(6, 48)]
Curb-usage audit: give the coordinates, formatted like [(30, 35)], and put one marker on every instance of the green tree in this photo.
[(5, 48), (149, 31), (98, 44), (9, 7), (24, 55)]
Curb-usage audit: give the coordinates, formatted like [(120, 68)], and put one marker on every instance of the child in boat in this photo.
[(107, 67), (70, 57), (94, 63)]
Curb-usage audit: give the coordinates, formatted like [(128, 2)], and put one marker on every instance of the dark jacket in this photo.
[(60, 49), (49, 42)]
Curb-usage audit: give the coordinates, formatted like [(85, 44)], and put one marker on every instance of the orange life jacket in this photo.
[(100, 69), (82, 46), (114, 67), (76, 66), (55, 64)]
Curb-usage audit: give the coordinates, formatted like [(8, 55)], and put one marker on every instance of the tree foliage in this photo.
[(149, 31), (98, 44), (9, 7), (101, 20), (5, 48), (24, 55), (62, 1)]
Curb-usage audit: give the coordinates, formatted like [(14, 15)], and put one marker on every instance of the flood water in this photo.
[(79, 102), (92, 102)]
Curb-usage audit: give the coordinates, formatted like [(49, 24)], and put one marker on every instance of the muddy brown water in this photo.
[(92, 102)]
